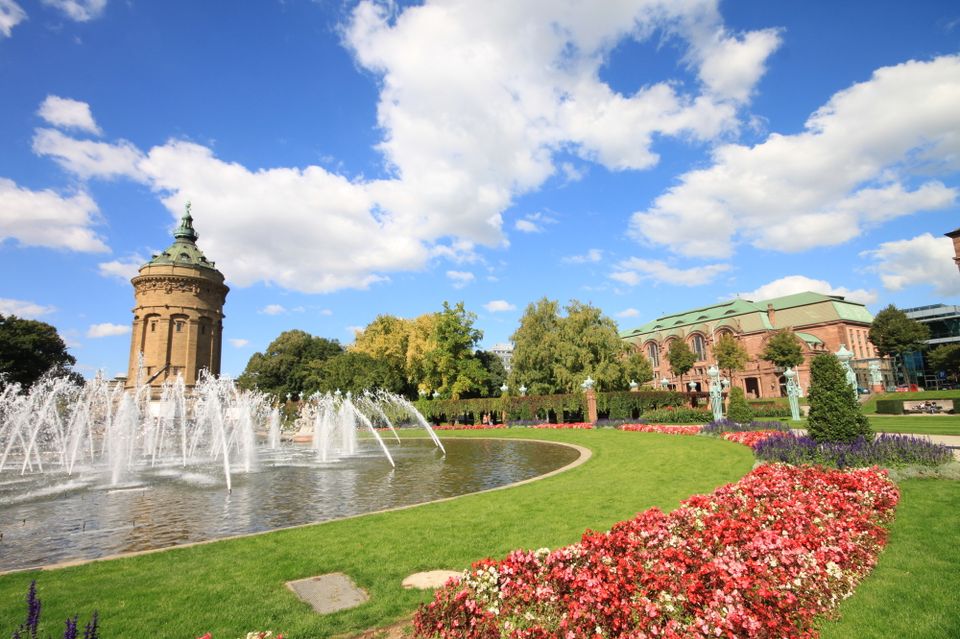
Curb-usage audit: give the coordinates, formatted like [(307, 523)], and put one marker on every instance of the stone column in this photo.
[(591, 405)]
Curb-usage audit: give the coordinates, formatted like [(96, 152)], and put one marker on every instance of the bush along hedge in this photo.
[(890, 406), (759, 558), (769, 409), (678, 416), (737, 409), (835, 414), (884, 450)]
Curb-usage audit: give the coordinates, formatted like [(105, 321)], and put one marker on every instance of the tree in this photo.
[(731, 356), (783, 350), (835, 414), (289, 362), (589, 345), (636, 367), (738, 409), (496, 373), (28, 349), (945, 358), (450, 366), (355, 372), (535, 346), (893, 334), (681, 359)]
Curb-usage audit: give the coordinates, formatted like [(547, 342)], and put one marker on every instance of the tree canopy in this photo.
[(450, 364), (783, 349), (945, 358), (290, 364), (835, 414), (681, 359), (554, 353), (730, 354), (893, 333), (30, 348)]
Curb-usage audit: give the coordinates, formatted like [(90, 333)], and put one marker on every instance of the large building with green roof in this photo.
[(822, 322)]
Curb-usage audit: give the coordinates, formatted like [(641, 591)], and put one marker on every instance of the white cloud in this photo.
[(533, 223), (460, 278), (924, 260), (326, 312), (238, 342), (11, 14), (800, 284), (123, 269), (23, 308), (79, 10), (854, 165), (593, 255), (107, 330), (526, 226), (499, 306), (69, 114), (629, 312), (472, 117), (634, 270), (88, 158), (571, 172), (45, 218), (272, 309)]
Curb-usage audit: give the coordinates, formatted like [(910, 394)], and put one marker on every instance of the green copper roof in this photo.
[(184, 250), (739, 307), (808, 338)]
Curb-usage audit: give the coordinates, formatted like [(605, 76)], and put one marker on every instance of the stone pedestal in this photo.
[(591, 405)]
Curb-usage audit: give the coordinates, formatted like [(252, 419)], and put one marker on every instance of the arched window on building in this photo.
[(653, 352), (699, 347)]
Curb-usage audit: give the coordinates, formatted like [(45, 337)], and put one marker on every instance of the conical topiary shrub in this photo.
[(739, 410), (835, 414)]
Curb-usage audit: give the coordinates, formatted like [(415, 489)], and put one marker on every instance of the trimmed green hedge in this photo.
[(554, 408), (890, 406)]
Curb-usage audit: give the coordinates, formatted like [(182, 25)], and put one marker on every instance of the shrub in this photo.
[(769, 409), (835, 414), (884, 450), (678, 416), (739, 410), (890, 406)]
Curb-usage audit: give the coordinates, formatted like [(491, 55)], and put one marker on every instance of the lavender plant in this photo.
[(30, 628), (883, 450), (725, 425)]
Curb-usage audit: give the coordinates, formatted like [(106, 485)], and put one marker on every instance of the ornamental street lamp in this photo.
[(716, 393), (845, 356), (665, 383), (523, 390), (436, 394), (504, 389), (793, 393), (587, 383), (634, 385)]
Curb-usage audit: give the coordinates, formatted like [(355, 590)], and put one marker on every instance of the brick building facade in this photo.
[(822, 322)]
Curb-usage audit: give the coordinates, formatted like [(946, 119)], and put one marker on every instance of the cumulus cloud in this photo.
[(533, 223), (325, 312), (472, 117), (238, 342), (593, 255), (68, 114), (79, 10), (855, 164), (635, 270), (11, 14), (88, 158), (23, 308), (499, 306), (460, 278), (272, 309), (800, 284), (123, 269), (629, 312), (107, 330), (45, 218), (924, 260)]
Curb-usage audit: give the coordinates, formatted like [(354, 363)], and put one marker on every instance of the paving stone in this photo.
[(429, 579), (329, 593)]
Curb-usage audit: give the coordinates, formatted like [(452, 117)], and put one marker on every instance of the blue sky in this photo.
[(346, 159)]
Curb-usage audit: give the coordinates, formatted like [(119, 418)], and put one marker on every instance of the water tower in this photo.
[(178, 317)]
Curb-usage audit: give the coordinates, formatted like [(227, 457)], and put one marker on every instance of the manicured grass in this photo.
[(871, 406), (916, 424), (234, 586), (915, 589)]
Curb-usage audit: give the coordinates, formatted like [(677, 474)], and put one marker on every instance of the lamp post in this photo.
[(793, 393), (845, 356), (523, 390), (716, 393), (436, 394), (665, 383), (634, 385), (587, 383), (504, 389), (591, 398)]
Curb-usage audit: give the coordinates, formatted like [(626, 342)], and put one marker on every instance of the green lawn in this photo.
[(234, 586), (871, 406), (915, 589), (916, 424)]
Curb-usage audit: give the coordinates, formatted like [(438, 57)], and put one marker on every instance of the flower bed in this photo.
[(669, 429), (758, 558), (884, 450), (469, 426), (752, 437), (725, 425), (573, 426)]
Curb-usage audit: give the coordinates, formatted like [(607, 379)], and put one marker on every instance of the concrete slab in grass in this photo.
[(429, 579), (329, 593)]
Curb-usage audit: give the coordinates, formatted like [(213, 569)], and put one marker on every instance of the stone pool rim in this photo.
[(585, 455)]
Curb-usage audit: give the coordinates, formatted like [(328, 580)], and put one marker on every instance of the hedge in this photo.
[(890, 406)]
